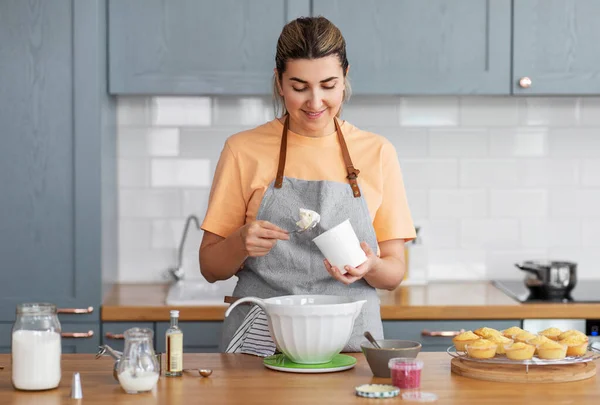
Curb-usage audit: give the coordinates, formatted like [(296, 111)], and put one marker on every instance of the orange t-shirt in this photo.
[(248, 164)]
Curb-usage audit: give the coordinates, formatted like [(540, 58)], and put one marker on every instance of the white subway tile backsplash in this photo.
[(517, 142), (368, 111), (488, 111), (195, 202), (458, 204), (490, 180), (420, 173), (590, 233), (429, 111), (244, 111), (590, 111), (489, 173), (133, 172), (500, 264), (558, 111), (574, 142), (518, 203), (458, 142), (590, 172), (571, 203), (456, 264), (489, 233), (409, 142), (181, 173), (439, 233), (149, 203), (181, 111), (534, 173), (550, 233)]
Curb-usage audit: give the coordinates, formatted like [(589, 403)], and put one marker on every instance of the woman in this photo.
[(305, 159)]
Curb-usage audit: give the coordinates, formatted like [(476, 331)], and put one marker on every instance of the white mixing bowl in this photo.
[(308, 329)]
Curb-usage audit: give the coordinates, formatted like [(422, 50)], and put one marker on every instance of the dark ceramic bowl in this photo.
[(378, 358)]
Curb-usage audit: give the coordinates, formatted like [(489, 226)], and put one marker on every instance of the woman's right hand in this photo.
[(259, 237)]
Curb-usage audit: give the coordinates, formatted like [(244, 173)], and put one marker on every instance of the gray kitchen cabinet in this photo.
[(196, 46), (555, 45), (424, 47), (57, 166), (414, 330), (112, 333), (198, 337)]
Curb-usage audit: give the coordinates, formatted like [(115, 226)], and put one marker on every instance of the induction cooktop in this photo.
[(584, 291)]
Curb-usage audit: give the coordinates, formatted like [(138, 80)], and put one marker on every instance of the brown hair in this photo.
[(308, 38)]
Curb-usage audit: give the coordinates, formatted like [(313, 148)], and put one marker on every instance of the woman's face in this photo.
[(313, 92)]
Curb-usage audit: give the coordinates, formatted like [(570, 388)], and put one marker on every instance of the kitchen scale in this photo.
[(280, 362)]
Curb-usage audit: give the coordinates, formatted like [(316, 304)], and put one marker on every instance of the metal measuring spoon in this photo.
[(204, 372), (371, 339)]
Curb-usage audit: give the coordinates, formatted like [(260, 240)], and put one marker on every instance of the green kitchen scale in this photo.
[(280, 362)]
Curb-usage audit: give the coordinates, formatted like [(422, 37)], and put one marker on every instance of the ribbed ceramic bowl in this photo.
[(309, 329), (378, 358)]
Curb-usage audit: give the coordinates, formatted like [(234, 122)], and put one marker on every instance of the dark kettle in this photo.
[(551, 278)]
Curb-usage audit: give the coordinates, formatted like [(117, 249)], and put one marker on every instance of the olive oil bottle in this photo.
[(174, 340)]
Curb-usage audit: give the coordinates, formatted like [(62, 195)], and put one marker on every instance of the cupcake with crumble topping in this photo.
[(464, 338), (481, 349), (570, 332), (577, 345), (486, 333), (501, 341), (552, 350), (512, 331), (551, 333), (519, 351), (523, 336)]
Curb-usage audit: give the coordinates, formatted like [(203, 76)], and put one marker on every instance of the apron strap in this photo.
[(350, 169)]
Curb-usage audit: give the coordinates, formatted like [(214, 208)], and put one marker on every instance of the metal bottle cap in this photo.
[(174, 313), (76, 392)]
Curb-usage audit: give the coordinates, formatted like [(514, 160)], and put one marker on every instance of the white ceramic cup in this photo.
[(341, 246)]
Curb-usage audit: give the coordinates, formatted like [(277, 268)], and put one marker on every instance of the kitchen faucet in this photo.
[(177, 273)]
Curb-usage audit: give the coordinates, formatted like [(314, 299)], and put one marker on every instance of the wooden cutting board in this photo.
[(518, 373)]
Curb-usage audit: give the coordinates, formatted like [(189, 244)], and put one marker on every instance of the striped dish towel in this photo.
[(253, 336)]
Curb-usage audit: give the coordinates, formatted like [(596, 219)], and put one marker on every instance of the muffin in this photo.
[(570, 332), (523, 336), (464, 338), (519, 351), (552, 350), (551, 333), (512, 331), (577, 345), (481, 349), (537, 341), (501, 341), (485, 333)]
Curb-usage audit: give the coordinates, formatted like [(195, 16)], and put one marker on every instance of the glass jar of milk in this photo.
[(36, 347)]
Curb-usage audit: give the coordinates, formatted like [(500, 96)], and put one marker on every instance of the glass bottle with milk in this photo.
[(36, 347)]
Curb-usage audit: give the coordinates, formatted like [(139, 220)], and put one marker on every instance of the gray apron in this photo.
[(296, 266)]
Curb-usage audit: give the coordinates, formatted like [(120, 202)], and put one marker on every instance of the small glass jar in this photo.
[(138, 369), (36, 347), (406, 372)]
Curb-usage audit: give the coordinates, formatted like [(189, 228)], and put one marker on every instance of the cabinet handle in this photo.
[(442, 333), (525, 82), (78, 335), (110, 335), (87, 310)]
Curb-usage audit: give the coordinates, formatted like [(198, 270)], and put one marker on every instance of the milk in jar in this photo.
[(36, 348)]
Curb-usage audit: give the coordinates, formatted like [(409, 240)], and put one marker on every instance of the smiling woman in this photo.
[(305, 158)]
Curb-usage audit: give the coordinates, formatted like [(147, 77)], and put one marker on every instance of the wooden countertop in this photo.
[(242, 379), (477, 300)]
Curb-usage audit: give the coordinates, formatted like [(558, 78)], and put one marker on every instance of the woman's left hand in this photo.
[(354, 273)]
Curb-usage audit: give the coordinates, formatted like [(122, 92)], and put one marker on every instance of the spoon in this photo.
[(372, 340), (204, 372), (308, 228)]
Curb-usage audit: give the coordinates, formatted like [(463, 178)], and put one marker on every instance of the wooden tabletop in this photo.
[(242, 379), (476, 300)]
